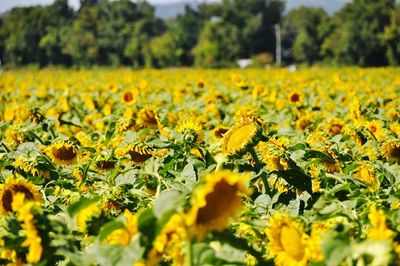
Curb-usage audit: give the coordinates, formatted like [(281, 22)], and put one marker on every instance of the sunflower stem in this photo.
[(188, 255)]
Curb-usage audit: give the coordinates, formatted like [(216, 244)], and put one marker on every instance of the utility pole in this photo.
[(278, 55)]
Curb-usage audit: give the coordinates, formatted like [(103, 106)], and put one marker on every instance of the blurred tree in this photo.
[(218, 44), (304, 30), (355, 39), (391, 38)]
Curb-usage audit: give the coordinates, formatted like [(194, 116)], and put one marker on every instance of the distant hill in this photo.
[(171, 10)]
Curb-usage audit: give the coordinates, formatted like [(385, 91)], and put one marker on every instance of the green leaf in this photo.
[(109, 227), (317, 154), (73, 209), (168, 200)]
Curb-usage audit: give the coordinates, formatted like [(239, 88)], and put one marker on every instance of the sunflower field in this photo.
[(200, 167)]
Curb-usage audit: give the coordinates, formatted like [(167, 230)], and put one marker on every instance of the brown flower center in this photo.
[(128, 96), (65, 153), (217, 202)]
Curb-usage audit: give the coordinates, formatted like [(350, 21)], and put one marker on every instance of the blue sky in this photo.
[(328, 4)]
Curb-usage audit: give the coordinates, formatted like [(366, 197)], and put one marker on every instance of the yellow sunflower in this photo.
[(216, 201), (391, 150), (32, 238), (129, 97), (192, 130), (245, 134), (124, 235), (219, 132), (63, 152), (335, 126), (286, 241), (379, 229), (11, 187), (86, 215), (169, 243), (366, 174), (295, 97), (138, 151), (147, 117)]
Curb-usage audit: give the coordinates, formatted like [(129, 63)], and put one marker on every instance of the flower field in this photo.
[(200, 167)]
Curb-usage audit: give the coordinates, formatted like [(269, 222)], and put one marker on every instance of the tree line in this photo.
[(122, 32)]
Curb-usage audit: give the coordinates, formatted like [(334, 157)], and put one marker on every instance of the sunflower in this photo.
[(244, 135), (86, 215), (11, 187), (124, 235), (216, 201), (63, 152), (25, 214), (138, 151), (169, 243), (129, 97), (148, 118), (391, 149), (335, 126), (105, 162), (295, 97), (191, 130), (286, 241), (219, 132), (379, 230), (273, 157), (366, 174)]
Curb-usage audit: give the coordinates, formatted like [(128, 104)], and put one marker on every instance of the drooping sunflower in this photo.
[(286, 241), (147, 117), (244, 135), (391, 149), (366, 174), (11, 187), (335, 126), (168, 245), (216, 201), (63, 152), (105, 162), (192, 130), (138, 151)]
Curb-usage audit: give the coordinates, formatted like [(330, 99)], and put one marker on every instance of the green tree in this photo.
[(218, 45), (391, 37), (357, 27), (304, 30)]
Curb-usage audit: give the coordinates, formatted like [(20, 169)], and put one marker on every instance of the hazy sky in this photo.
[(328, 4)]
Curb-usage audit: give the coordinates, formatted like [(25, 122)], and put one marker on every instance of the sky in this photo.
[(327, 4)]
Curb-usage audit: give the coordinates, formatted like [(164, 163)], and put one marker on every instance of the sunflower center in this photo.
[(149, 118), (7, 200), (395, 152), (65, 153), (139, 157), (295, 97), (241, 137), (290, 239), (128, 96), (219, 133), (22, 189), (335, 129), (217, 202), (105, 164)]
